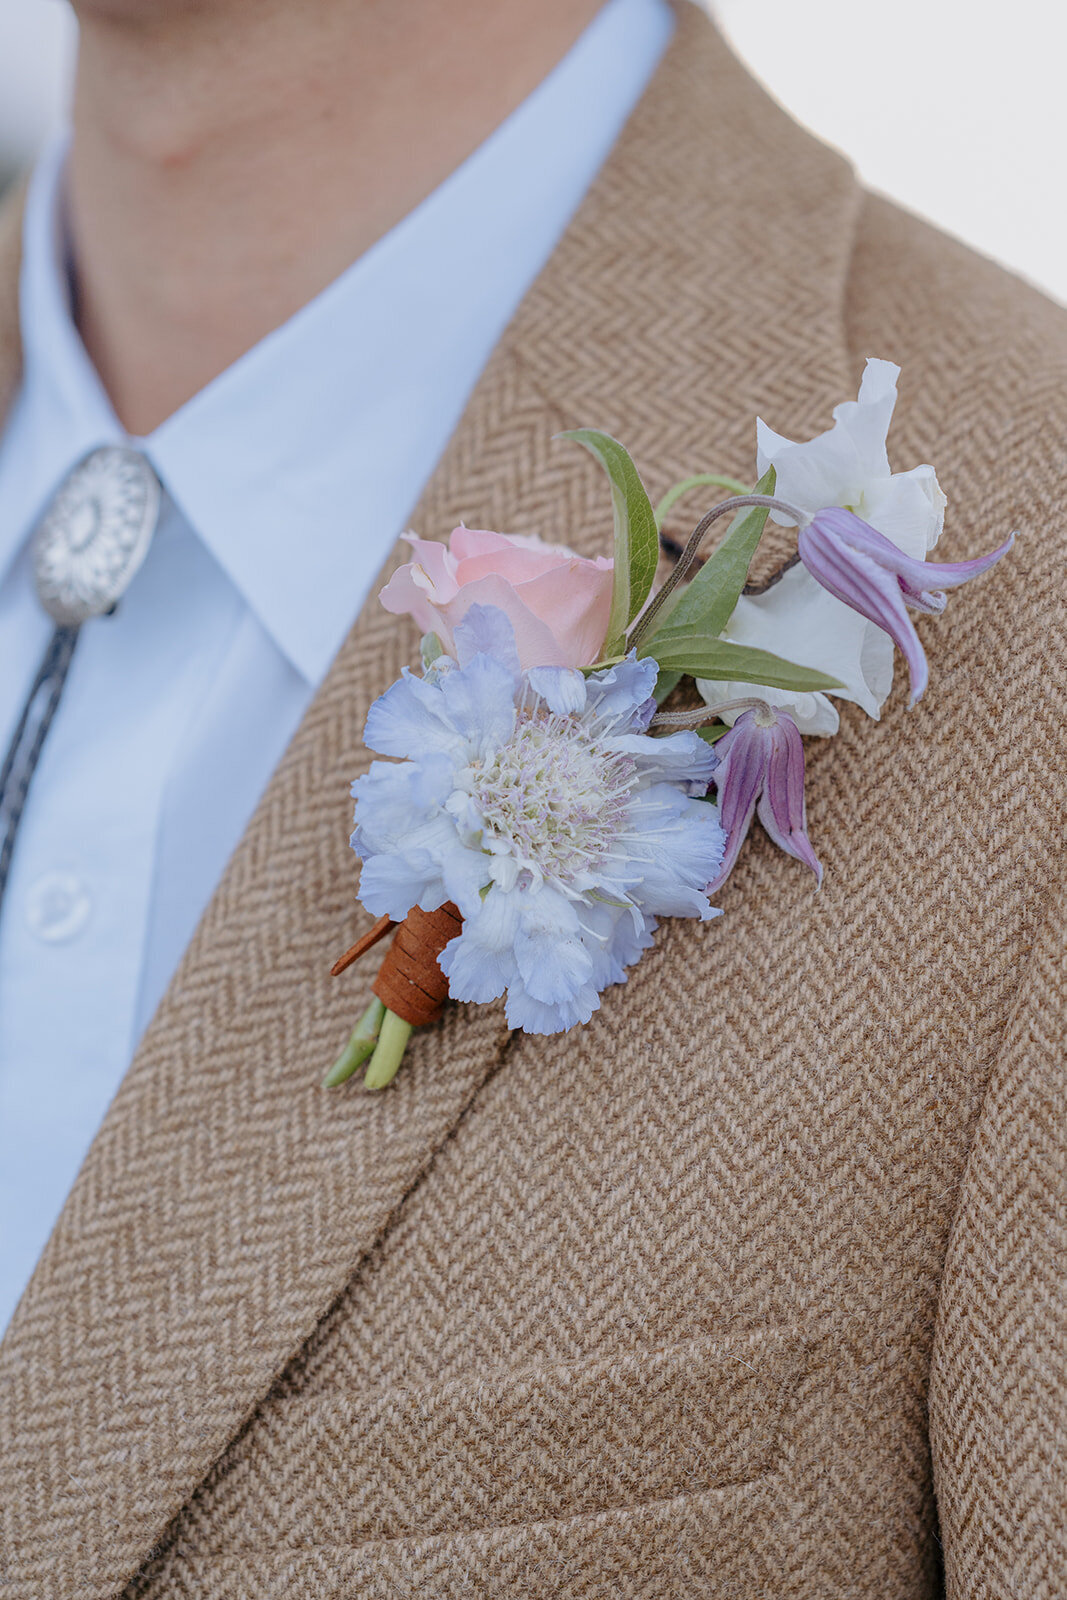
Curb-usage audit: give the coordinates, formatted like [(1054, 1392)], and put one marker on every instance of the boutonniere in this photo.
[(542, 809)]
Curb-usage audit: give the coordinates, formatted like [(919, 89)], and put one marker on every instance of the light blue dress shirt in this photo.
[(286, 482)]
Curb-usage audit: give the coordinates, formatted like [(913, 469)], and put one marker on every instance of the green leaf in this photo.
[(636, 536), (711, 735), (664, 684), (692, 652), (708, 600), (686, 640), (432, 650)]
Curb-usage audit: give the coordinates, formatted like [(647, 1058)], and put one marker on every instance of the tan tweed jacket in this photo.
[(755, 1287)]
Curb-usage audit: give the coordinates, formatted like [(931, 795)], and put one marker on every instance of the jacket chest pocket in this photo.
[(554, 1441)]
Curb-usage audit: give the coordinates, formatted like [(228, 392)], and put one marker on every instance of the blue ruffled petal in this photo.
[(563, 689), (620, 693), (682, 758), (487, 631), (615, 936), (411, 718), (480, 702), (534, 1016), (679, 844), (480, 962), (390, 885), (393, 800), (553, 963)]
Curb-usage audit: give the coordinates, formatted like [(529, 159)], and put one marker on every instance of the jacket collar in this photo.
[(227, 1200)]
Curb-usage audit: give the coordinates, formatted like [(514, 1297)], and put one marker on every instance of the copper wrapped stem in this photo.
[(362, 945), (410, 981)]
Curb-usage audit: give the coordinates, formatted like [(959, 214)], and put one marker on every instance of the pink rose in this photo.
[(558, 603)]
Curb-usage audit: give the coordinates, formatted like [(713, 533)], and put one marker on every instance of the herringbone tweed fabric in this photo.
[(650, 1310), (9, 280)]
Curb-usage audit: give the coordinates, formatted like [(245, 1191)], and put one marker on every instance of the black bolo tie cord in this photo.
[(24, 751)]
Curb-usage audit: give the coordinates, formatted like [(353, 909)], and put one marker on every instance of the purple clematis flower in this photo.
[(860, 566), (761, 769)]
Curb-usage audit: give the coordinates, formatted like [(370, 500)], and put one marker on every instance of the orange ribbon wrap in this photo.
[(410, 981)]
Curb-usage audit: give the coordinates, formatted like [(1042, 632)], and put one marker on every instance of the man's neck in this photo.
[(231, 159)]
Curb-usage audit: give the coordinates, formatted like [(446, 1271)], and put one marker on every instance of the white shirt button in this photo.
[(58, 907)]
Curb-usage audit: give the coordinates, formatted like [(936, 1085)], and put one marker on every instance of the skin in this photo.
[(232, 157)]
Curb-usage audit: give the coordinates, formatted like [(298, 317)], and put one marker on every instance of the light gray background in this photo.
[(956, 109)]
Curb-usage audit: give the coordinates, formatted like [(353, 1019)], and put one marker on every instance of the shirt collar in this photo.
[(296, 465)]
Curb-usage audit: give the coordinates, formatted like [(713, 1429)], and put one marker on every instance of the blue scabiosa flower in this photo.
[(537, 802)]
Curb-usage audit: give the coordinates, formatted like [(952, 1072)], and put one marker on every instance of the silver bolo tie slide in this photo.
[(85, 551)]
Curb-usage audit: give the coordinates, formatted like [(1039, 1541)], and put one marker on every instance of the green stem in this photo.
[(389, 1052), (703, 480), (359, 1046), (689, 554)]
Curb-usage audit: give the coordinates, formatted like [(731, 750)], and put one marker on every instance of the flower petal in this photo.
[(781, 807), (480, 703), (615, 936), (480, 962), (682, 758), (948, 575), (535, 638), (677, 844), (908, 508), (553, 964), (621, 693), (467, 544), (865, 421), (486, 630), (862, 581), (743, 756), (420, 585), (838, 466), (535, 1016), (411, 717), (798, 619), (734, 840), (393, 799), (576, 600), (738, 783), (821, 472), (465, 872), (561, 688), (392, 883)]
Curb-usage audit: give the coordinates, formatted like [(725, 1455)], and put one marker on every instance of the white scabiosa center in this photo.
[(554, 797)]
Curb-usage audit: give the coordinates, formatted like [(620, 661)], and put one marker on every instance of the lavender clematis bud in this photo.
[(863, 568), (761, 770)]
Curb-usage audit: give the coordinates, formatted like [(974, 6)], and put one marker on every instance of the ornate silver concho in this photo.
[(95, 534)]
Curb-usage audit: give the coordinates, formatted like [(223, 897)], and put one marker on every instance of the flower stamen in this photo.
[(555, 796)]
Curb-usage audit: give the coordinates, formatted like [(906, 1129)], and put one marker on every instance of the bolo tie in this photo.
[(86, 548)]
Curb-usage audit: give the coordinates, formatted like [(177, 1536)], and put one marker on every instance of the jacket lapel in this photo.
[(227, 1199)]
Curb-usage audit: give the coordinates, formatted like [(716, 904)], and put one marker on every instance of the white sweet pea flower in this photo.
[(797, 618)]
